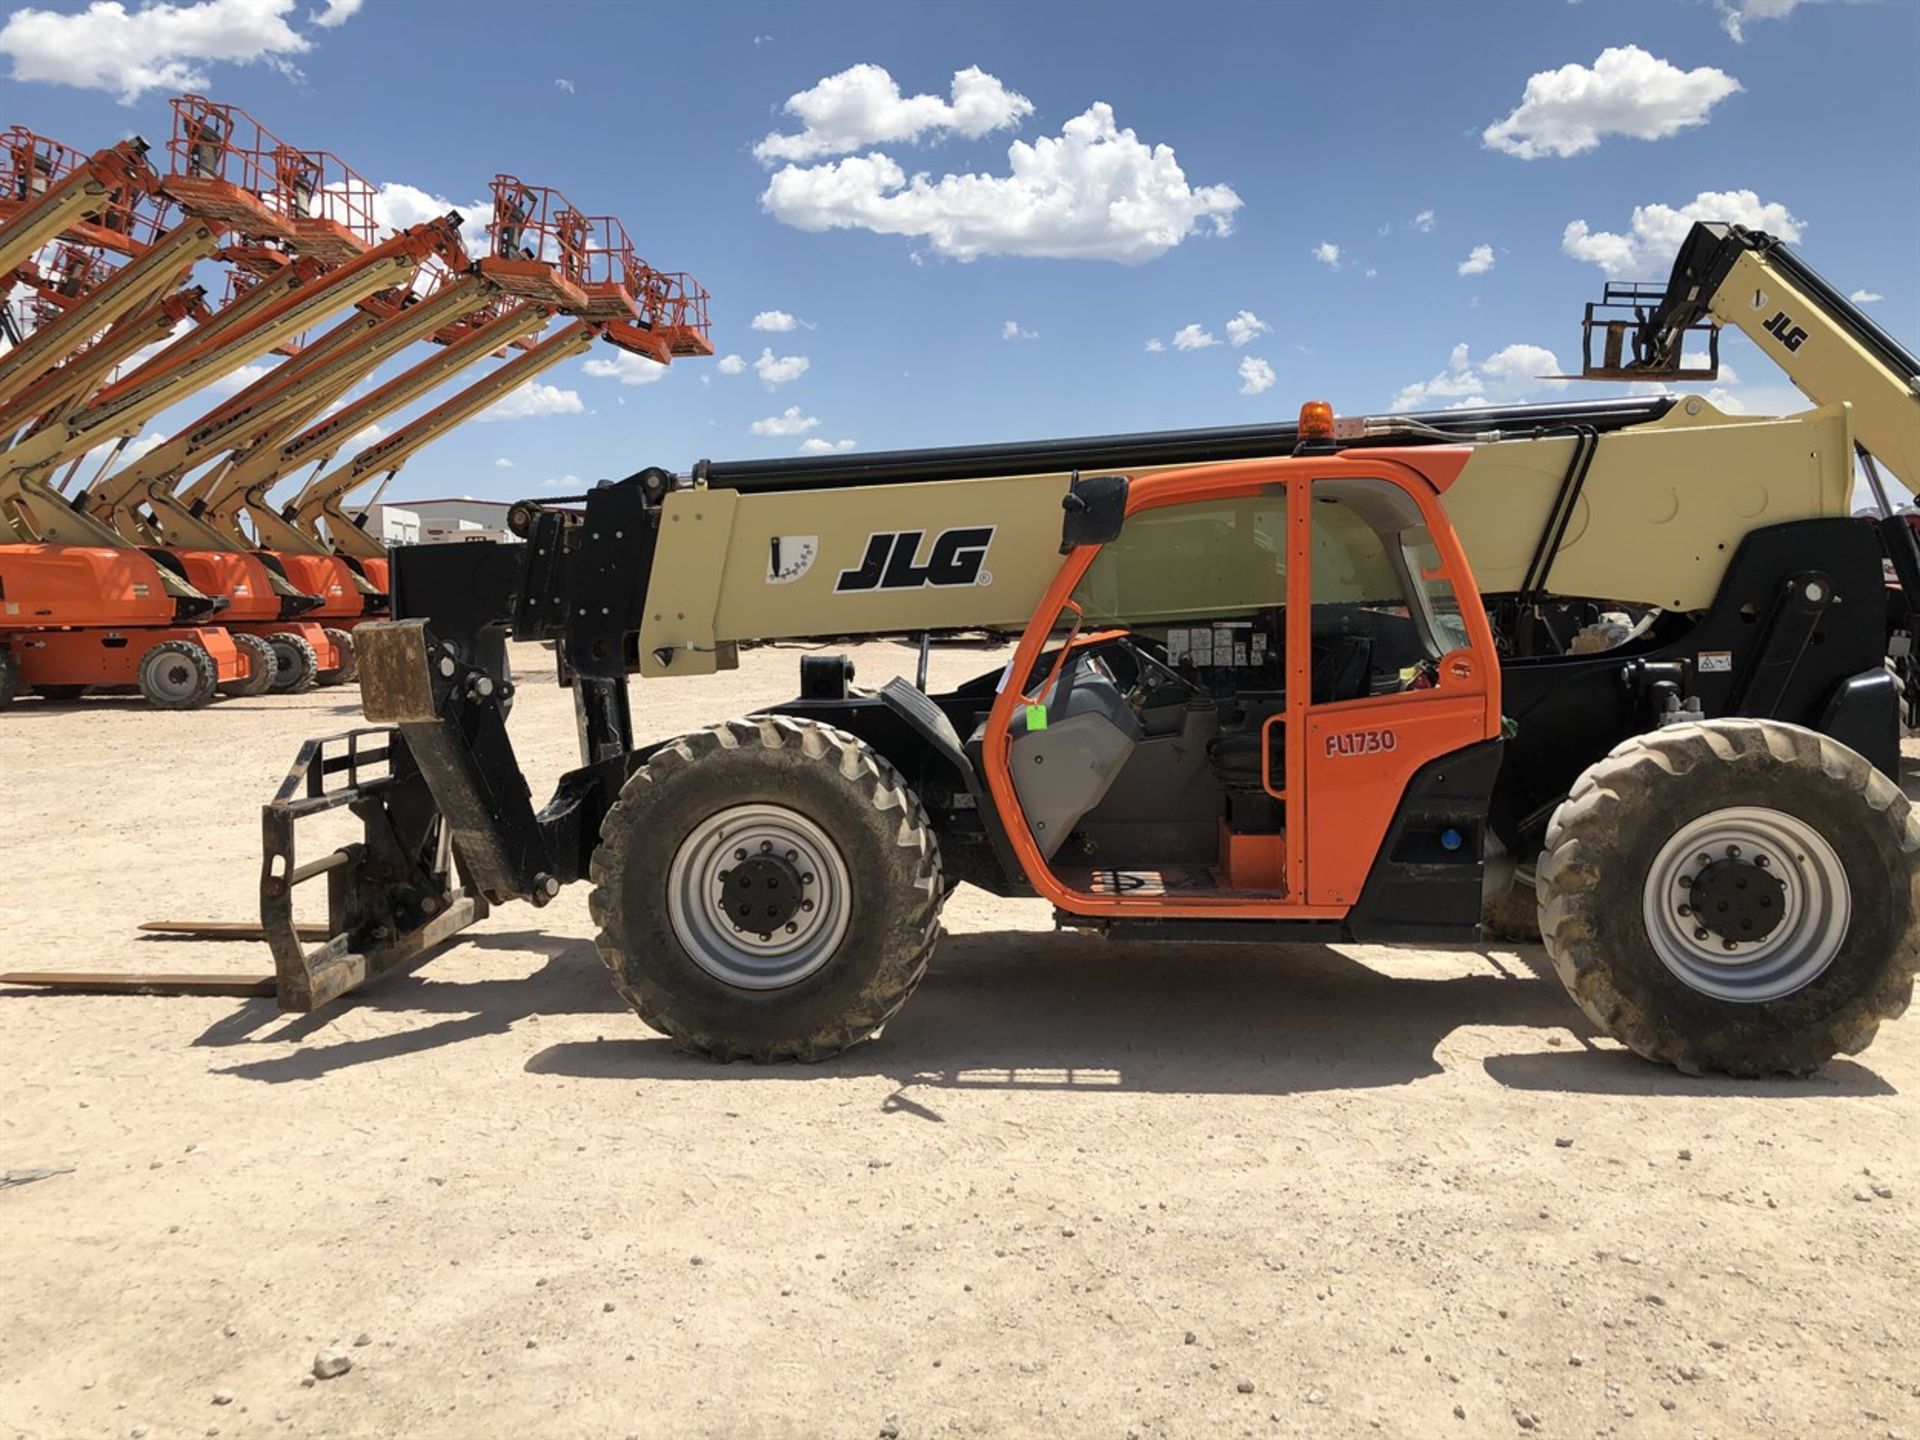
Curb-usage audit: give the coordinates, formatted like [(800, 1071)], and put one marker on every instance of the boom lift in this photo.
[(88, 649), (300, 605)]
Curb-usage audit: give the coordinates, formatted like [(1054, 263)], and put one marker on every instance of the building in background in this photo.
[(394, 524), (451, 519)]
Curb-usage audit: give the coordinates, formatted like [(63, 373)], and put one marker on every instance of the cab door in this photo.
[(1399, 674)]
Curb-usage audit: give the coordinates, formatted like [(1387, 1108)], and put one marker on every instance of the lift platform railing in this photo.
[(108, 199), (329, 206), (535, 244), (674, 304), (607, 269)]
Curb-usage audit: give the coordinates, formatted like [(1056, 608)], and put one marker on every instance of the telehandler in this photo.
[(1257, 696)]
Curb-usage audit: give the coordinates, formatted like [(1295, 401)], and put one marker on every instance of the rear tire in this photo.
[(61, 694), (9, 677), (349, 668), (1735, 896), (806, 803), (178, 675), (262, 664), (296, 667)]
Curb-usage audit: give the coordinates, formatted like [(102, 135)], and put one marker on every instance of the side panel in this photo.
[(983, 555), (43, 585), (1664, 505), (1360, 758)]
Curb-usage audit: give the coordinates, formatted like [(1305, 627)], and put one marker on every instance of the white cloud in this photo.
[(157, 47), (814, 445), (1192, 337), (1256, 375), (532, 401), (778, 320), (1507, 375), (1154, 346), (564, 86), (1423, 222), (396, 206), (626, 367), (1734, 14), (776, 370), (1627, 92), (1866, 297), (1094, 192), (234, 381), (1243, 328), (1370, 272), (561, 482), (788, 422), (504, 463), (730, 365), (1654, 234), (336, 12), (1479, 260), (364, 437), (862, 106), (1012, 331), (1327, 253)]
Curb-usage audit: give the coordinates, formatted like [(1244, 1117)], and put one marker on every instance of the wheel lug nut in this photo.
[(739, 854), (793, 854), (1686, 882), (1686, 910), (766, 847), (807, 879), (1705, 859), (766, 935), (792, 929), (806, 905), (1762, 861), (1733, 852), (1726, 944), (1699, 932), (725, 875)]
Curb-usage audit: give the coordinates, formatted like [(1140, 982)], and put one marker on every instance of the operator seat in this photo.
[(1063, 769)]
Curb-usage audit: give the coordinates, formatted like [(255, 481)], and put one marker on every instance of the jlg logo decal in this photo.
[(957, 557), (1362, 742), (1785, 331)]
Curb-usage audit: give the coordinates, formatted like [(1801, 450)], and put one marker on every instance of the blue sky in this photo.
[(1337, 125)]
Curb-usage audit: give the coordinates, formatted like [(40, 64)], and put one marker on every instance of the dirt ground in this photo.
[(1075, 1189)]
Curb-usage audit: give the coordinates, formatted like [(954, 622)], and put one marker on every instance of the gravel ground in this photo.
[(1074, 1190)]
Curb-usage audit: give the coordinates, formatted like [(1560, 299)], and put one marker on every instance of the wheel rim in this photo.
[(288, 665), (779, 865), (1788, 867), (173, 677)]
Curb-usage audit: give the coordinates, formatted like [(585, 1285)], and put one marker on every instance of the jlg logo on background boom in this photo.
[(957, 557)]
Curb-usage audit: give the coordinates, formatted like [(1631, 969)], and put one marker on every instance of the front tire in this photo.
[(1734, 895), (178, 675), (262, 665), (348, 670), (295, 667), (772, 822)]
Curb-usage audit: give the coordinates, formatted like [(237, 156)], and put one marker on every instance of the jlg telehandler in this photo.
[(1256, 697)]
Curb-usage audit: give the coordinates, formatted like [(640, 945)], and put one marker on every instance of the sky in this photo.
[(933, 224)]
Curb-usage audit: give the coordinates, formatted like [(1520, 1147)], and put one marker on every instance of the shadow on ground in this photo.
[(1036, 1011)]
